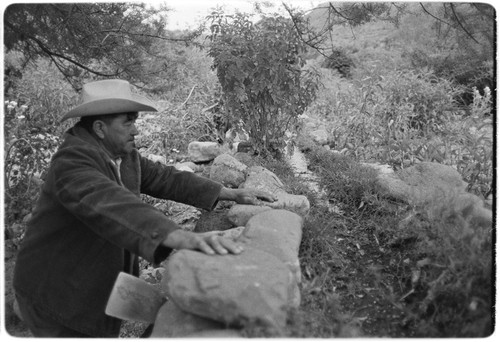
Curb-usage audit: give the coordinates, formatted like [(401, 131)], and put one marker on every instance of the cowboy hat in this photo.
[(109, 97)]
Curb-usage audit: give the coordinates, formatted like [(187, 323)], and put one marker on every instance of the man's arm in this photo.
[(214, 244)]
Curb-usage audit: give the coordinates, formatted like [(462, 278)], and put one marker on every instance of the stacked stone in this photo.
[(436, 188), (214, 295)]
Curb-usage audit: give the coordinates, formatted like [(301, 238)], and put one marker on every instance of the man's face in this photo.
[(119, 133)]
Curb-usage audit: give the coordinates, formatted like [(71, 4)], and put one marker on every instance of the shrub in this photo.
[(32, 109), (259, 67), (340, 61)]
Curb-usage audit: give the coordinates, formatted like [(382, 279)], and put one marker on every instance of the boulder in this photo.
[(261, 178), (253, 286), (239, 214), (171, 321), (156, 158), (258, 177), (224, 333), (422, 184), (228, 171), (188, 166), (277, 232), (203, 151), (320, 136), (245, 158), (436, 188), (213, 220)]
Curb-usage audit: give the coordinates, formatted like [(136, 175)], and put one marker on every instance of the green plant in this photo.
[(32, 134), (259, 67)]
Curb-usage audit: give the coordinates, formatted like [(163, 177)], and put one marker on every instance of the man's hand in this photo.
[(246, 196), (206, 243)]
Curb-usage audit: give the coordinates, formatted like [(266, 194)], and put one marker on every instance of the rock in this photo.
[(171, 321), (277, 232), (319, 136), (156, 158), (470, 207), (422, 184), (213, 220), (224, 333), (245, 158), (261, 178), (253, 286), (187, 166), (228, 171), (239, 214), (297, 203), (203, 151), (184, 168)]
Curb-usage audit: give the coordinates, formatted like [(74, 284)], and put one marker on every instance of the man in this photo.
[(90, 223)]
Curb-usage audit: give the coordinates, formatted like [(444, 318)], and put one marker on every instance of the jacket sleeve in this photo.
[(167, 182), (83, 186)]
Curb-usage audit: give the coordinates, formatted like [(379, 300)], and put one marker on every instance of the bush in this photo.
[(340, 61), (259, 67), (406, 117), (33, 108)]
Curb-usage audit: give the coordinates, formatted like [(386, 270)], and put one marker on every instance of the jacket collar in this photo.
[(79, 132)]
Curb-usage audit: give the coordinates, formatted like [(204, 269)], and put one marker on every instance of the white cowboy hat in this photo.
[(109, 97)]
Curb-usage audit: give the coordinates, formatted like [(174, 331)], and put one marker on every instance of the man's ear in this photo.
[(99, 128)]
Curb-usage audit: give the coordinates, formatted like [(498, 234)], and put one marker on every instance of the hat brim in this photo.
[(111, 106)]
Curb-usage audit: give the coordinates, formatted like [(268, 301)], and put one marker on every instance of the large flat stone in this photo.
[(172, 321), (252, 286), (277, 232), (239, 214)]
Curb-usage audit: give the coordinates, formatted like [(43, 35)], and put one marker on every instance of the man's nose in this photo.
[(134, 130)]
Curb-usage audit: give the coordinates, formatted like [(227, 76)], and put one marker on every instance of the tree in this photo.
[(260, 69), (89, 39)]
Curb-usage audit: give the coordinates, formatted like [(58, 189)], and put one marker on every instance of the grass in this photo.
[(434, 275)]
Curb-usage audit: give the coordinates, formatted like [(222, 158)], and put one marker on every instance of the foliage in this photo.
[(259, 67), (89, 39), (442, 275), (32, 134), (455, 41), (406, 117), (340, 61)]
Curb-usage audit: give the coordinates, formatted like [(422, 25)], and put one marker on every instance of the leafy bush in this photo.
[(259, 67), (406, 117), (340, 61), (32, 133)]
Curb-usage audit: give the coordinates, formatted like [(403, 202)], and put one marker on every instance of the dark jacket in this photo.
[(89, 223)]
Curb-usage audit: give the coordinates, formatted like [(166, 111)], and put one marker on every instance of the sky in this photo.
[(186, 14)]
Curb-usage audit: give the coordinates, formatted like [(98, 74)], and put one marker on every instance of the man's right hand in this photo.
[(207, 243)]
